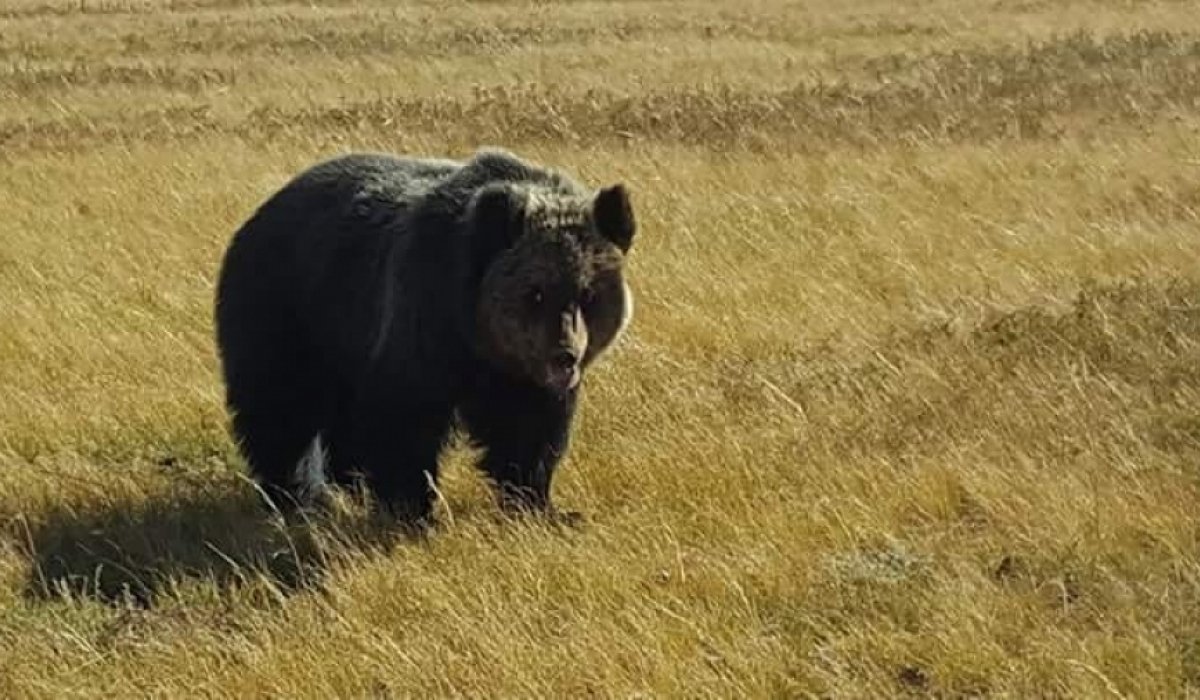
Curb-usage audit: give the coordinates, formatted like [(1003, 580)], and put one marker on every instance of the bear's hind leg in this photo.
[(278, 417), (275, 389), (283, 452)]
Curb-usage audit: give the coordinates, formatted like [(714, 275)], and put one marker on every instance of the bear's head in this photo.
[(552, 295)]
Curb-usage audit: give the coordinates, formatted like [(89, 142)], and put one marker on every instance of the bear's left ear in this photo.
[(497, 220), (613, 214)]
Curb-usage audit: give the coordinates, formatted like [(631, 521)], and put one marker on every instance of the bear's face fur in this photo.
[(552, 296)]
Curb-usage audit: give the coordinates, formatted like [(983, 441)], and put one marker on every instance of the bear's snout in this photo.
[(562, 379), (562, 370)]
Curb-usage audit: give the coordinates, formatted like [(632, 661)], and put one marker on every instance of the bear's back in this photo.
[(376, 187), (368, 185)]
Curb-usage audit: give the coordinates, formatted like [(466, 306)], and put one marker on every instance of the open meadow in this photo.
[(910, 404)]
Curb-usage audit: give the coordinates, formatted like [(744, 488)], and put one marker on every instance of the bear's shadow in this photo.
[(130, 554)]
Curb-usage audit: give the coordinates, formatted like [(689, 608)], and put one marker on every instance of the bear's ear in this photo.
[(497, 219), (613, 214)]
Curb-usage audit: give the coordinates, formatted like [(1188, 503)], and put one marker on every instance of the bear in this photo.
[(376, 302)]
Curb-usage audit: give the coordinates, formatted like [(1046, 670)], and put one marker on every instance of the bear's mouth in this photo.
[(562, 379)]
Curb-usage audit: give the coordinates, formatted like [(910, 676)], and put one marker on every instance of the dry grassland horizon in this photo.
[(910, 406)]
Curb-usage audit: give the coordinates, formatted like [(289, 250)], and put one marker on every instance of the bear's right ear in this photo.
[(613, 214), (497, 220)]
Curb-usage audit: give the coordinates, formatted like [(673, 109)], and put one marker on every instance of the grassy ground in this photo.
[(911, 404)]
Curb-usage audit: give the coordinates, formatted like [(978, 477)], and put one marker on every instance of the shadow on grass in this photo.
[(130, 553)]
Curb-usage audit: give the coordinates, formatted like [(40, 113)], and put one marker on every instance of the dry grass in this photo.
[(911, 405)]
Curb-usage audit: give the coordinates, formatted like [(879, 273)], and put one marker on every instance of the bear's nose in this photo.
[(565, 359)]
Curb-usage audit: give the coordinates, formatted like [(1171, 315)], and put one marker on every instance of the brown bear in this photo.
[(376, 301)]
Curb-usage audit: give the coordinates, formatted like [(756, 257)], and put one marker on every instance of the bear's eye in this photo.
[(535, 297)]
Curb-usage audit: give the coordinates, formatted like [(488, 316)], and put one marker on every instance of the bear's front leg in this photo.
[(396, 451), (524, 435)]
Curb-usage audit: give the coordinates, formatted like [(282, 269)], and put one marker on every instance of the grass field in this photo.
[(911, 405)]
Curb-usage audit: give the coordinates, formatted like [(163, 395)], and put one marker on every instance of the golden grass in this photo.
[(911, 404)]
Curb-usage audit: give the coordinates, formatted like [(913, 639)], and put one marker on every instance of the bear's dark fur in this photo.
[(374, 300)]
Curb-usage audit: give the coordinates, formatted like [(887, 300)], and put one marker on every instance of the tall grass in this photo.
[(911, 404)]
